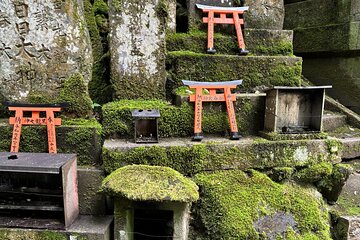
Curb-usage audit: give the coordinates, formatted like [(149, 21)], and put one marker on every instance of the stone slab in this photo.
[(332, 121), (91, 201), (84, 228), (351, 148), (216, 153), (41, 44), (137, 47)]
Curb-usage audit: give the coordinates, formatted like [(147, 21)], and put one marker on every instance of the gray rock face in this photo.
[(275, 225), (137, 44), (42, 42)]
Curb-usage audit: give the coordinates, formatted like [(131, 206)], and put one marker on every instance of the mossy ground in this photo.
[(150, 183), (232, 201)]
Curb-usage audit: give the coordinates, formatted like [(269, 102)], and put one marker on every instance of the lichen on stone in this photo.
[(150, 183)]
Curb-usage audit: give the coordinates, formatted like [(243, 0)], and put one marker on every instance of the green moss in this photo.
[(315, 172), (255, 71), (74, 92), (280, 174), (232, 201), (162, 10), (275, 136), (150, 183)]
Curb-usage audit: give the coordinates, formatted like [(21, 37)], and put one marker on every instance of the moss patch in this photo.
[(233, 201), (315, 172), (255, 71), (150, 183), (30, 235)]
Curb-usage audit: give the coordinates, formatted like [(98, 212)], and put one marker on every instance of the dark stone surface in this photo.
[(275, 225)]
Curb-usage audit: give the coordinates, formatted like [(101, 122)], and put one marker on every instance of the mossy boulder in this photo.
[(79, 136), (74, 92), (32, 235), (150, 183), (248, 205), (314, 173), (254, 70)]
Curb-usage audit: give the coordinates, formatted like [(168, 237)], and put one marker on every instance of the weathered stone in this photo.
[(347, 228), (91, 201), (275, 225), (171, 19), (341, 72), (42, 43), (332, 121), (137, 46), (257, 41), (263, 14)]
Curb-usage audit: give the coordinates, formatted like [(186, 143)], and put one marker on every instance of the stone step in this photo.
[(257, 41), (84, 228), (79, 136), (254, 70), (332, 121), (215, 153)]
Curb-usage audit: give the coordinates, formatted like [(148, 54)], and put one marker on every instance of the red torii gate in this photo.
[(236, 20), (226, 97)]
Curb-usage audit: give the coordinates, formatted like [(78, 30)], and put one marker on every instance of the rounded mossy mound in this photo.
[(74, 92), (249, 205), (150, 183)]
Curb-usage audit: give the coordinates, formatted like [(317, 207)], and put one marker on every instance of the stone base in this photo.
[(84, 228), (274, 136)]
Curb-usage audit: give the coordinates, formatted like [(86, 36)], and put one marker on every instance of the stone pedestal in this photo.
[(41, 44), (137, 46)]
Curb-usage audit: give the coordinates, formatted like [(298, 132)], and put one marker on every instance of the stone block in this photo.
[(42, 44), (332, 121), (257, 41), (261, 15), (91, 201), (137, 47), (254, 70), (340, 72)]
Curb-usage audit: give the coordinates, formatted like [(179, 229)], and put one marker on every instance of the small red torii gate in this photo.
[(236, 20), (226, 97), (49, 120)]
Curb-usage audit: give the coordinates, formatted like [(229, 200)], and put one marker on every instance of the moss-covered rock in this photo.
[(315, 172), (255, 71), (30, 235), (79, 136), (74, 92), (179, 121), (239, 205), (258, 42), (190, 158), (150, 183)]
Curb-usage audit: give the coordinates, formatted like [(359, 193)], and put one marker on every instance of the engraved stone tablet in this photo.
[(42, 42)]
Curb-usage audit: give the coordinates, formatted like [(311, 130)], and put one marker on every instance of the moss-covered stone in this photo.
[(315, 172), (79, 136), (276, 136), (178, 121), (150, 183), (239, 205), (30, 235), (281, 174), (189, 158), (258, 42), (255, 71), (74, 92)]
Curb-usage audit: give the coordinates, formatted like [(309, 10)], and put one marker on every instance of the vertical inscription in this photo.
[(4, 20)]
